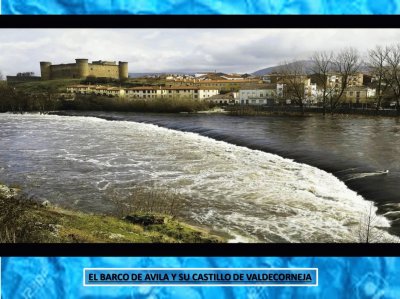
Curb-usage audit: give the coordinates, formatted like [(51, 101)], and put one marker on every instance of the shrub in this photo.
[(145, 201), (158, 105)]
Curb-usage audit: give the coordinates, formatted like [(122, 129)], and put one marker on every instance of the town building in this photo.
[(224, 85), (334, 80), (191, 92), (260, 94), (97, 90), (232, 77), (146, 92), (230, 98), (359, 94), (311, 93)]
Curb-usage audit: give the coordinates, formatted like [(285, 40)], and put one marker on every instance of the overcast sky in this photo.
[(168, 50)]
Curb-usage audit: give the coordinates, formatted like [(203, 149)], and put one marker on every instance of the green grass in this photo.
[(41, 86), (26, 221)]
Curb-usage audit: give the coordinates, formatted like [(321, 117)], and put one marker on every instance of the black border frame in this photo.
[(201, 250), (192, 22), (199, 21)]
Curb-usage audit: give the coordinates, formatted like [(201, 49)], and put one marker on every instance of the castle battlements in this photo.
[(82, 69)]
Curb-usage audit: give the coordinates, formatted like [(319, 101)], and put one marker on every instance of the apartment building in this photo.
[(97, 90), (260, 94), (191, 92), (359, 94)]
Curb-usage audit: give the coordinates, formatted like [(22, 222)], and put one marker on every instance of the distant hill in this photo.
[(308, 65), (271, 69)]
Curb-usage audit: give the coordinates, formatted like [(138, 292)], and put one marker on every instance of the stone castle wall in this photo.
[(83, 69), (63, 71), (109, 71)]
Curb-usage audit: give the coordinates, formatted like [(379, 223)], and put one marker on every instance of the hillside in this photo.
[(271, 69), (308, 65)]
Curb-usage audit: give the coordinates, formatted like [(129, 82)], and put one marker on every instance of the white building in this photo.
[(147, 92), (232, 77), (359, 94), (230, 98), (98, 90), (257, 94), (191, 92), (144, 92), (311, 93), (279, 90)]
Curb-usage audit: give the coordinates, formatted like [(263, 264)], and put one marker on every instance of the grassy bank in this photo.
[(43, 86), (23, 220)]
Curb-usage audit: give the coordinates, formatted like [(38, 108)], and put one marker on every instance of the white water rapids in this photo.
[(251, 195)]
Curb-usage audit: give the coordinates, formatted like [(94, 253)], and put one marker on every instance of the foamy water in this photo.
[(251, 195)]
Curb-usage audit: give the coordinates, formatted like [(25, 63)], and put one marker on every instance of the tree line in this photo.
[(18, 100), (382, 63)]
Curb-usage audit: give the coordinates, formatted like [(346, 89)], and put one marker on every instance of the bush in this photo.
[(18, 224), (144, 201), (158, 105)]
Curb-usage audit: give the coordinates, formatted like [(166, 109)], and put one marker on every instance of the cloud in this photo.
[(162, 50)]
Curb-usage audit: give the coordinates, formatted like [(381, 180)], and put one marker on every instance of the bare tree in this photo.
[(346, 64), (320, 69), (369, 230), (393, 73), (294, 76), (378, 64)]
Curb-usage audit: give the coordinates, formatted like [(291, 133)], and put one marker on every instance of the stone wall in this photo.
[(109, 71), (83, 69)]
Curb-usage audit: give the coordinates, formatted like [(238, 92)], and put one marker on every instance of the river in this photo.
[(258, 179)]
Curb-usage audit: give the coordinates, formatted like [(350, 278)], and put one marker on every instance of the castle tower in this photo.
[(123, 70), (45, 70), (82, 66)]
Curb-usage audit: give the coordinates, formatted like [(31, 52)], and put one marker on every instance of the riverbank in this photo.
[(306, 112), (26, 221)]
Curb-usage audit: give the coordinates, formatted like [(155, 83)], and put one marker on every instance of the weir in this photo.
[(250, 195)]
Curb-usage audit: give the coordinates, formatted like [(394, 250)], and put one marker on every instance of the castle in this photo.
[(82, 69)]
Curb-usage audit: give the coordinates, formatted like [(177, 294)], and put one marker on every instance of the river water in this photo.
[(258, 179)]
